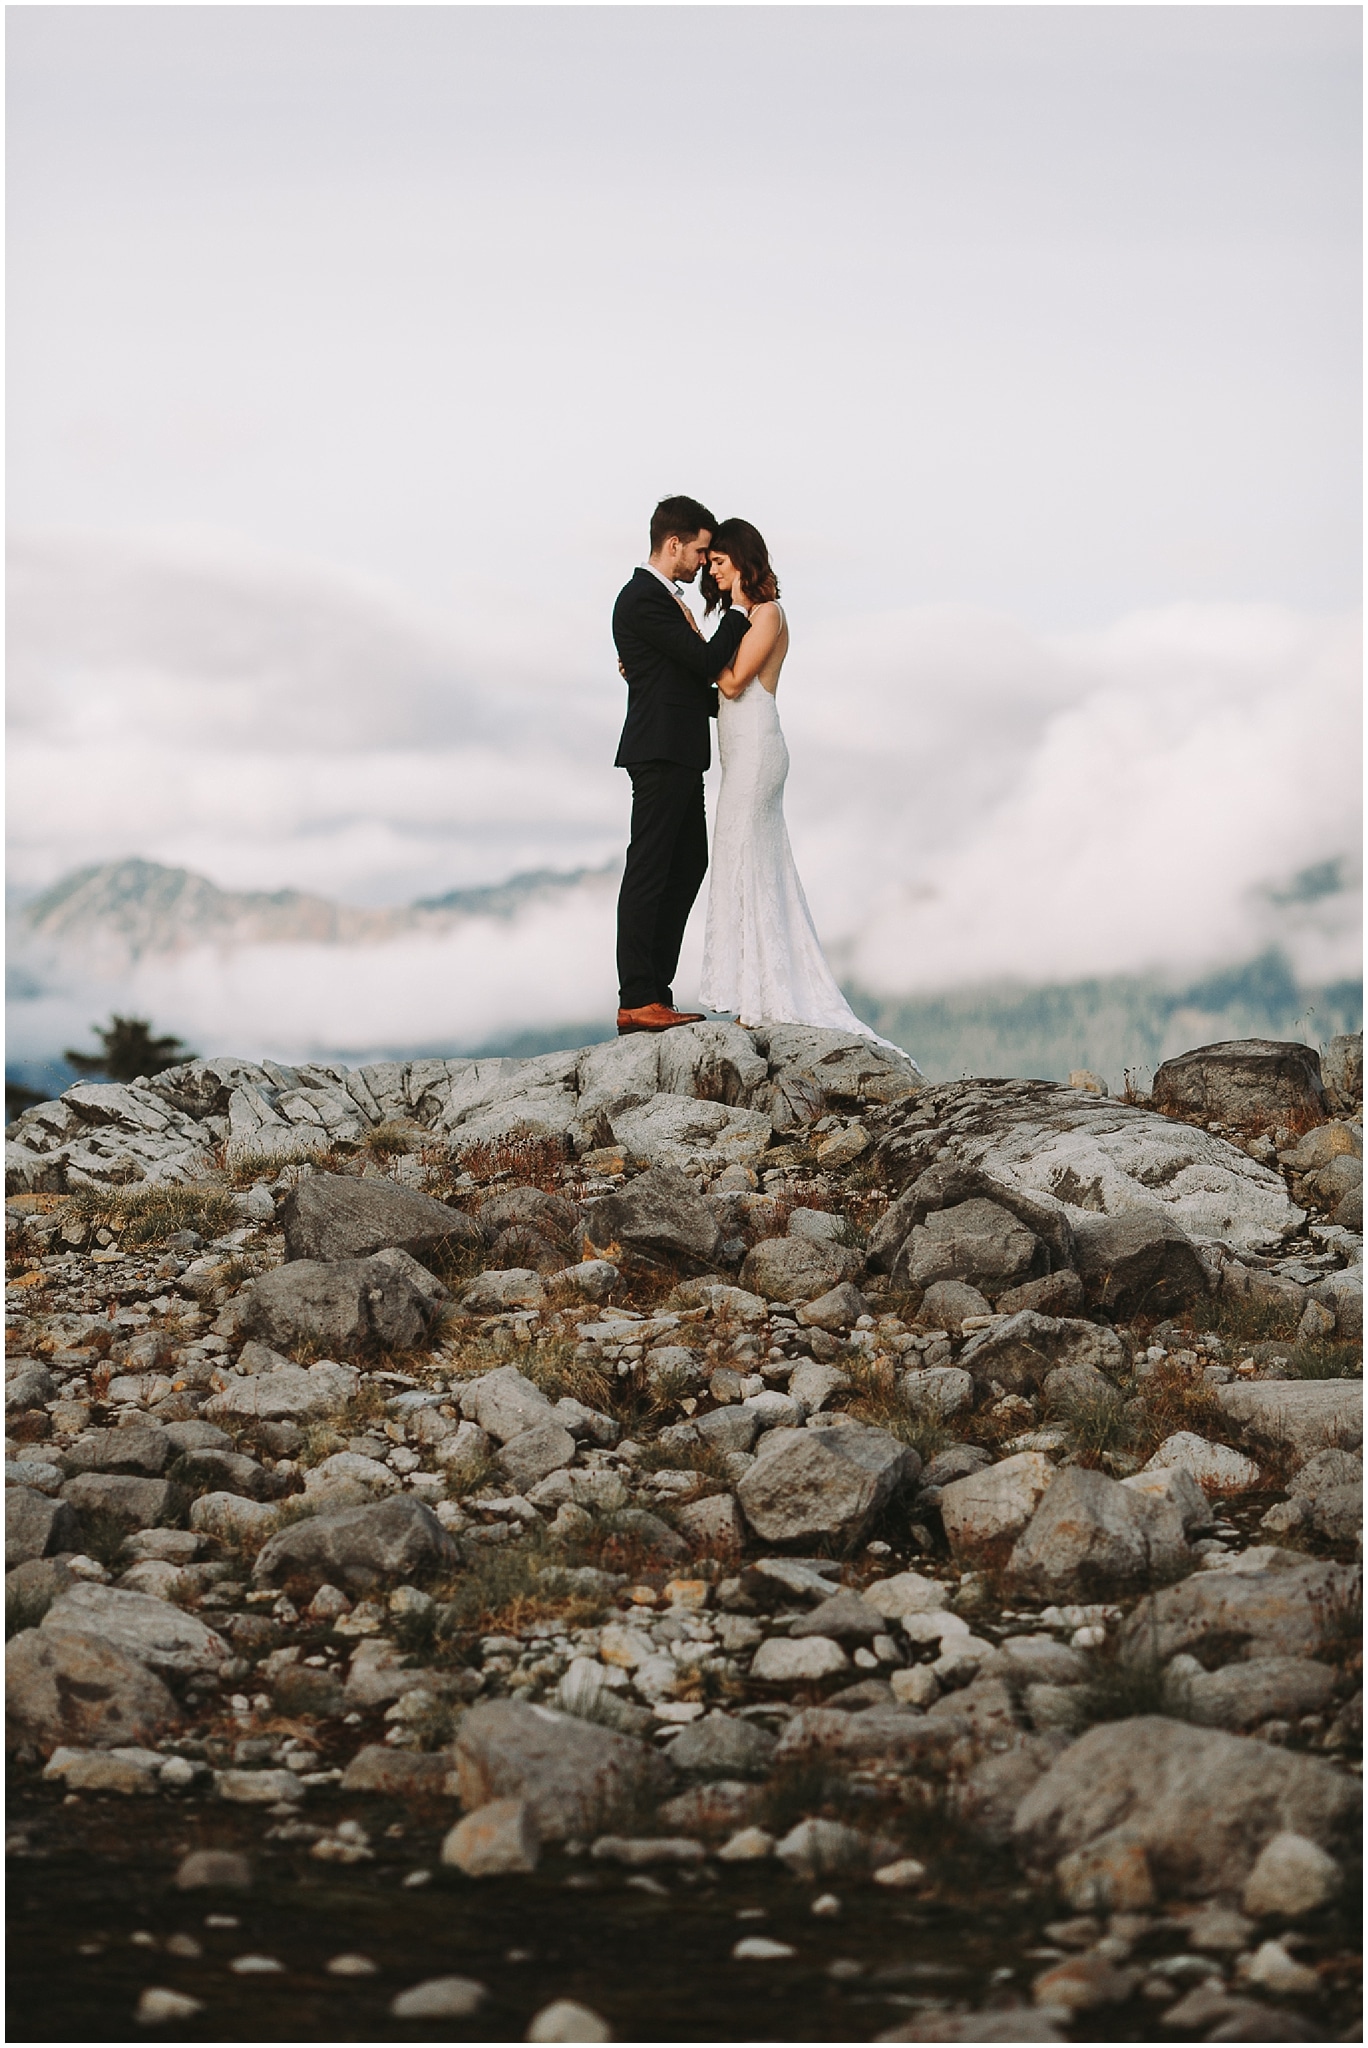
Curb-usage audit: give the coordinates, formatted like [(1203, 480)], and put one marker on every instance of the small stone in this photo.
[(1274, 1969), (900, 1875), (213, 1869), (256, 1966), (439, 1998), (1084, 1982), (758, 1948), (917, 1686), (351, 1966), (157, 2005), (747, 1845), (564, 2020), (1292, 1876), (822, 1848), (257, 1788), (496, 1839), (781, 1661), (1214, 1466)]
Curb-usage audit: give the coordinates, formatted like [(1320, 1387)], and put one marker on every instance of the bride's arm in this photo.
[(753, 652)]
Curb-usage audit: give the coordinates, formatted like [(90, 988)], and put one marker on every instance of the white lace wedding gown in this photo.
[(762, 958)]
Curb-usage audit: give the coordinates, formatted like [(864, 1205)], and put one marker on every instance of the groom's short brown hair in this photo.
[(682, 517)]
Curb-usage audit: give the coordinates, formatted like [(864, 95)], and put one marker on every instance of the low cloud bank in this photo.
[(970, 803)]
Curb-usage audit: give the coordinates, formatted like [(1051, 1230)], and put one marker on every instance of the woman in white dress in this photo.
[(762, 959)]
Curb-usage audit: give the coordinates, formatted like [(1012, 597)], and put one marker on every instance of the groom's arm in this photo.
[(665, 629)]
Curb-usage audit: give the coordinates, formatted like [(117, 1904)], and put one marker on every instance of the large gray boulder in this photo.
[(359, 1548), (113, 1496), (1342, 1073), (722, 1746), (1342, 1294), (1201, 1804), (670, 1130), (1138, 1263), (333, 1216), (36, 1526), (1021, 1351), (27, 1385), (166, 1640), (985, 1511), (1244, 1080), (387, 1299), (294, 1393), (504, 1404), (828, 1482), (551, 1216), (578, 1777), (660, 1212), (947, 1184), (814, 1071), (1217, 1616), (1300, 1416), (80, 1690), (796, 1268), (978, 1242), (1091, 1538), (1081, 1156), (145, 1453), (1240, 1696)]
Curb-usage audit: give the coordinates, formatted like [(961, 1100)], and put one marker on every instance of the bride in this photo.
[(762, 958)]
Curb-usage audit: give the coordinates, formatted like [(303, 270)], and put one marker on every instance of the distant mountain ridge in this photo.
[(141, 907)]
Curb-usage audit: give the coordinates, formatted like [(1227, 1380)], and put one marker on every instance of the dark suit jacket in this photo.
[(671, 675)]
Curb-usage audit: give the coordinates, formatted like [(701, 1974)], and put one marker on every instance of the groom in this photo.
[(671, 673)]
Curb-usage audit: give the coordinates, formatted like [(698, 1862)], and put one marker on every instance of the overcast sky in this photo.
[(350, 347)]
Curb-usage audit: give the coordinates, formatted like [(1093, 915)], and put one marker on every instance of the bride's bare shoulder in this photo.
[(771, 613)]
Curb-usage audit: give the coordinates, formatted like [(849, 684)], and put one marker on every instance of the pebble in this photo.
[(825, 1907), (256, 1966), (565, 2020), (439, 1998), (206, 1869), (758, 1948), (1273, 1968), (158, 2005), (747, 1845), (898, 1876), (351, 1966)]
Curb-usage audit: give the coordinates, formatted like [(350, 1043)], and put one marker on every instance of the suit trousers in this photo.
[(667, 859)]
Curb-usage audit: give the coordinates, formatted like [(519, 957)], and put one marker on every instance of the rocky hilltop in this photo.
[(712, 1452)]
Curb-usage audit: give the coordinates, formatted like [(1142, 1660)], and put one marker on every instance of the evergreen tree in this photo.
[(129, 1051)]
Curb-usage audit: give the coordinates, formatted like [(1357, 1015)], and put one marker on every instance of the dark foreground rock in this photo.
[(358, 1547), (577, 1777), (387, 1299), (1199, 1805), (1243, 1081), (81, 1690), (334, 1216)]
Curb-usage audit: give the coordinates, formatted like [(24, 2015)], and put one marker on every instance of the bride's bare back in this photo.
[(762, 653)]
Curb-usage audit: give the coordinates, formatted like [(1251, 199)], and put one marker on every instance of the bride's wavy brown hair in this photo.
[(743, 544)]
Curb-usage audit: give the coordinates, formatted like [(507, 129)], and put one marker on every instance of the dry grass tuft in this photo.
[(143, 1215), (527, 1162)]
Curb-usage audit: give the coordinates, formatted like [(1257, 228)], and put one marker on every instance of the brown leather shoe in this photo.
[(654, 1017)]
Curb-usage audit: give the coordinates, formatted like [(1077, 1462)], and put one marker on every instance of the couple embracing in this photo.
[(762, 960)]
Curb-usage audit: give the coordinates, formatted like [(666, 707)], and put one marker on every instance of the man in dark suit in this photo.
[(671, 673)]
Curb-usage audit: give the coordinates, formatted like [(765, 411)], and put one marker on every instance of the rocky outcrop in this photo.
[(1243, 1081)]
